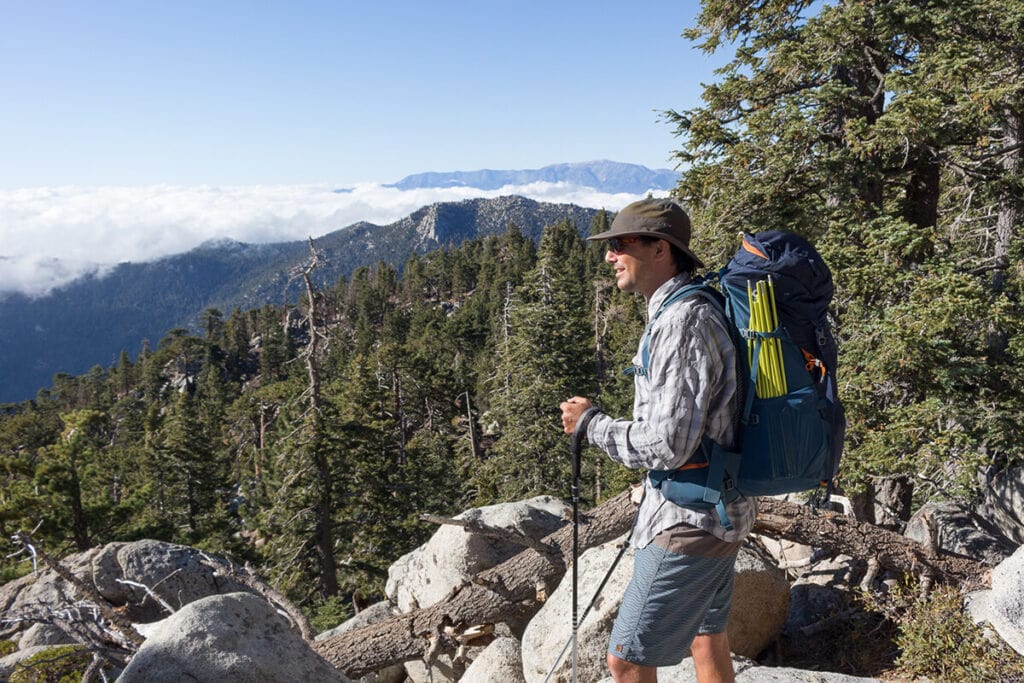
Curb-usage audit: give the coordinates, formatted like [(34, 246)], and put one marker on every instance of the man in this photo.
[(681, 590)]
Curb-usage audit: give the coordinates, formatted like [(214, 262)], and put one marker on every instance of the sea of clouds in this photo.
[(52, 235)]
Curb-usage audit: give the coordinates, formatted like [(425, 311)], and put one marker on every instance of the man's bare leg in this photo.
[(628, 672), (711, 659)]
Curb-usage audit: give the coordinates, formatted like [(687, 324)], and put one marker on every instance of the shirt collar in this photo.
[(667, 288)]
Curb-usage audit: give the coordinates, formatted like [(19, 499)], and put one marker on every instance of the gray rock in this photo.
[(551, 628), (760, 603), (500, 662), (426, 575), (42, 634), (792, 558), (819, 594), (231, 638), (176, 573), (371, 615), (886, 502), (956, 529), (173, 572), (766, 674), (1003, 605), (1004, 503)]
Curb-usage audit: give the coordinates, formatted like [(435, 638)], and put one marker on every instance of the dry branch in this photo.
[(119, 623)]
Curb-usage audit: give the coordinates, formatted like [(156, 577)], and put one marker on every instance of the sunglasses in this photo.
[(617, 243)]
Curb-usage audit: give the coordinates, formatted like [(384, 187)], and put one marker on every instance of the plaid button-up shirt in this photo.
[(689, 390)]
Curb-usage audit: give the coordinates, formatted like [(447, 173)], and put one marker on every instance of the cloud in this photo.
[(50, 236)]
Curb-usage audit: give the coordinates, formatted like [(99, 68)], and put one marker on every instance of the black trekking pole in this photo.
[(577, 447)]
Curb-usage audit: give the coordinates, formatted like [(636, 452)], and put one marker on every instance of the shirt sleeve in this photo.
[(683, 380)]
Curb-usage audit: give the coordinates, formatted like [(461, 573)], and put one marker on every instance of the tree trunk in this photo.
[(324, 501), (510, 588), (841, 534)]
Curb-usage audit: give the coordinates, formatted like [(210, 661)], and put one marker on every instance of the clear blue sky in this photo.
[(242, 93)]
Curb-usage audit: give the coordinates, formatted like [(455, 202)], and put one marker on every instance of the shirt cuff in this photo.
[(597, 430)]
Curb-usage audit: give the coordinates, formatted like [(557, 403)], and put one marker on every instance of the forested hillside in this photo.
[(91, 320), (309, 438)]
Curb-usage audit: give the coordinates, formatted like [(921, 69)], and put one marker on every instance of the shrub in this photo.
[(62, 664), (329, 613), (939, 641)]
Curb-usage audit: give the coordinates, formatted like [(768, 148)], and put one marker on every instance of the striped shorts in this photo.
[(681, 587)]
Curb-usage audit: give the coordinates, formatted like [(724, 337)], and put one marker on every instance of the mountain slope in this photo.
[(91, 320), (608, 176)]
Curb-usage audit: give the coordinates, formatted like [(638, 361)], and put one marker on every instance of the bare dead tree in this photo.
[(324, 503)]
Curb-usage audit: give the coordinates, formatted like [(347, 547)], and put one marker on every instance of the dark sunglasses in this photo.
[(617, 243)]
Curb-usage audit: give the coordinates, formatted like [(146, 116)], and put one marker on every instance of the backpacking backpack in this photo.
[(790, 435)]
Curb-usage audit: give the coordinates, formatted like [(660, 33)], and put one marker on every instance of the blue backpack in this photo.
[(787, 443)]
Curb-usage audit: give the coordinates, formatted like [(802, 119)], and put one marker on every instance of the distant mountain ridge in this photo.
[(608, 176), (90, 321)]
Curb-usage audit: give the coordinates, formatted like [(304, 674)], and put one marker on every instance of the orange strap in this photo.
[(810, 363), (753, 250)]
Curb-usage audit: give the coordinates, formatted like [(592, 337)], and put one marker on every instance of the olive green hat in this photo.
[(657, 218)]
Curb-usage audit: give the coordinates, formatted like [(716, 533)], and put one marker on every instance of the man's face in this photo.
[(630, 257)]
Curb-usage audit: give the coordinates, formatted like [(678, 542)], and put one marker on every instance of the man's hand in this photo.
[(572, 410)]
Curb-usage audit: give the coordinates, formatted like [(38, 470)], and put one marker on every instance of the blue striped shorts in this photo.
[(681, 587)]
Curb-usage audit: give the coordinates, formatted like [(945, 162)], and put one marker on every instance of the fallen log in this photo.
[(511, 589), (842, 534), (492, 596)]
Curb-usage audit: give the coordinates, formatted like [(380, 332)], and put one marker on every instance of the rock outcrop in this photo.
[(233, 638)]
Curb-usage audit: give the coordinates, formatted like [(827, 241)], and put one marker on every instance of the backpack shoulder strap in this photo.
[(698, 287)]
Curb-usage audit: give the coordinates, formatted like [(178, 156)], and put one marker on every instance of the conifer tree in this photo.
[(68, 470), (544, 358), (884, 132)]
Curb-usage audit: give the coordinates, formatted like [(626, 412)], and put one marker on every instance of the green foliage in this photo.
[(328, 613), (542, 359), (61, 664), (939, 641), (7, 647)]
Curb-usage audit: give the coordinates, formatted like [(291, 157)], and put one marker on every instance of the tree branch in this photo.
[(122, 625)]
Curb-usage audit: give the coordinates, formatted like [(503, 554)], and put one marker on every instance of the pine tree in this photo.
[(543, 356)]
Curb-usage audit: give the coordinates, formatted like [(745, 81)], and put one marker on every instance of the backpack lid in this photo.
[(803, 283)]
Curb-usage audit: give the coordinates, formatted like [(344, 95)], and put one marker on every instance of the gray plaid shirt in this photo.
[(689, 390)]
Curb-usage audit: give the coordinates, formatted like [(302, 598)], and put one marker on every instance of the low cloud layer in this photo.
[(50, 236)]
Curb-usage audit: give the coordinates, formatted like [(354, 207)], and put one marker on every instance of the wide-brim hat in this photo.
[(657, 218)]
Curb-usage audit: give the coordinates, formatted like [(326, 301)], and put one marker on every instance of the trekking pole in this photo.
[(577, 447), (577, 457), (593, 600)]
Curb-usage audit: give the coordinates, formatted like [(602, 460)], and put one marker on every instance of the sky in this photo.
[(133, 130)]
